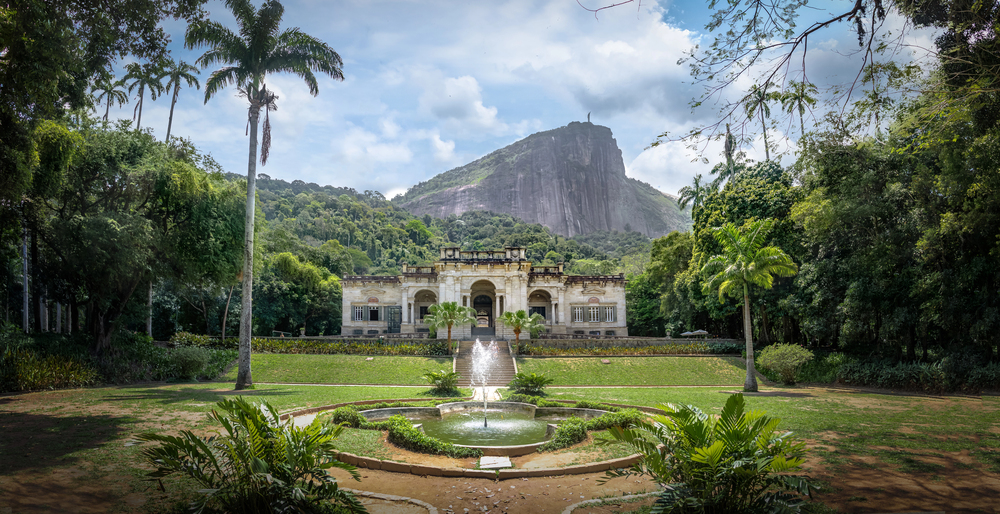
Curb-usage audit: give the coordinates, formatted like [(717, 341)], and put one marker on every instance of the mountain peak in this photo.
[(570, 179)]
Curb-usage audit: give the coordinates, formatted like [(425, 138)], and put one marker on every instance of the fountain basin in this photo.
[(513, 428)]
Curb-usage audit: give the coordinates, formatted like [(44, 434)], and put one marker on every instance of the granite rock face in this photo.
[(571, 179)]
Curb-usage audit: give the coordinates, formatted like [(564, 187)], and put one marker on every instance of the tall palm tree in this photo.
[(111, 92), (745, 262), (519, 321), (448, 314), (176, 72), (259, 49), (144, 77), (756, 103), (694, 195), (797, 98)]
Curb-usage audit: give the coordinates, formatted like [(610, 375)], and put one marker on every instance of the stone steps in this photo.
[(503, 370)]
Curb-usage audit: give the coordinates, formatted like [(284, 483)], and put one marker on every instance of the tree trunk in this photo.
[(750, 385), (170, 121), (767, 153), (139, 121), (449, 339), (36, 285), (25, 309), (225, 313), (243, 376), (107, 109), (149, 311)]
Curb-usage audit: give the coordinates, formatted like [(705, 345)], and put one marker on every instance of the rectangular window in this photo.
[(359, 313), (595, 314), (423, 312), (536, 310), (373, 314), (609, 314), (577, 314)]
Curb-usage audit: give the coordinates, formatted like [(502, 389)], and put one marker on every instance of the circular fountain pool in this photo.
[(502, 428)]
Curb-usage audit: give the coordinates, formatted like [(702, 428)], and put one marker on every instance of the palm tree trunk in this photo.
[(449, 339), (173, 101), (750, 385), (767, 153), (243, 376), (149, 311), (139, 121), (107, 109)]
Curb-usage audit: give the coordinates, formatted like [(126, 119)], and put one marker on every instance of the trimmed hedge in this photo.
[(574, 429), (699, 348), (293, 345), (401, 431)]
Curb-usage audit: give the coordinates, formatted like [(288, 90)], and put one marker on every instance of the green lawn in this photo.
[(637, 370), (342, 369)]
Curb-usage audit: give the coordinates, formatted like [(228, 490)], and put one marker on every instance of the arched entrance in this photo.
[(483, 294), (540, 302)]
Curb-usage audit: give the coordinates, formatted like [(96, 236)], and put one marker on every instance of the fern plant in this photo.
[(260, 464), (733, 463)]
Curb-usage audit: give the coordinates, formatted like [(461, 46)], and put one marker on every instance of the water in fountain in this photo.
[(483, 357)]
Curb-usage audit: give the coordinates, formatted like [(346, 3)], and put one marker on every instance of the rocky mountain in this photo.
[(570, 179)]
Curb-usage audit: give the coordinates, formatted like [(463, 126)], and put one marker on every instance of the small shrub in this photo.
[(570, 432), (785, 359), (347, 415), (190, 361), (260, 464), (823, 368), (529, 383), (534, 400), (443, 381), (24, 369), (626, 418), (584, 404)]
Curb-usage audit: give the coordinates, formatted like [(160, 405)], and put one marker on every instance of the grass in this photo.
[(341, 369), (637, 370), (85, 433)]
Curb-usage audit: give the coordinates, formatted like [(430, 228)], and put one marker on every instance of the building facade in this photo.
[(491, 282)]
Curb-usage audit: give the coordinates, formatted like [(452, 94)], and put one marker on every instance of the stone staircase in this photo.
[(503, 366)]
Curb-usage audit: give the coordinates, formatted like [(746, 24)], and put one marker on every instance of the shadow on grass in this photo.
[(773, 394), (34, 441), (187, 394)]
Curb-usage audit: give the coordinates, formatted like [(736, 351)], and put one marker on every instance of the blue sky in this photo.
[(431, 85)]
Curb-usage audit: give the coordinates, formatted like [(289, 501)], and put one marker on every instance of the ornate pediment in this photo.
[(371, 291), (592, 290)]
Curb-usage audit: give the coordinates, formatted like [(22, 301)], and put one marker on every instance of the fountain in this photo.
[(483, 357)]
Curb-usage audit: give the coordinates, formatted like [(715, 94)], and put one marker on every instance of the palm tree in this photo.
[(247, 58), (448, 314), (143, 77), (178, 71), (744, 262), (694, 195), (519, 320), (756, 103), (112, 92), (798, 97)]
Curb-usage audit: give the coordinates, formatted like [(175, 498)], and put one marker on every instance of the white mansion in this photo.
[(491, 282)]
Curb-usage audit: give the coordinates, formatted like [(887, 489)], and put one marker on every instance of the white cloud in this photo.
[(459, 101)]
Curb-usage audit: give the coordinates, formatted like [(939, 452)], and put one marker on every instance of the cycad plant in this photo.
[(733, 463), (745, 262), (443, 381), (259, 465)]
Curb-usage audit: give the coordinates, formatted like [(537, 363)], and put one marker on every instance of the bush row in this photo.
[(540, 401), (315, 346), (920, 376), (699, 348), (51, 361), (401, 431)]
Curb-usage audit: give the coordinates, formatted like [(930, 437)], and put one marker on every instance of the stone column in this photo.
[(58, 318), (402, 304)]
